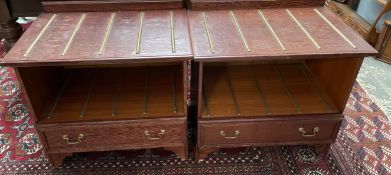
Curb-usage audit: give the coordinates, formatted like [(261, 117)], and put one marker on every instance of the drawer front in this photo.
[(266, 132), (114, 136)]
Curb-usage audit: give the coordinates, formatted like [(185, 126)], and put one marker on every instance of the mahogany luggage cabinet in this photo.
[(100, 81), (272, 76)]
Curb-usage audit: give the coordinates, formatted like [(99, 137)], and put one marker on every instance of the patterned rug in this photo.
[(363, 146), (375, 78)]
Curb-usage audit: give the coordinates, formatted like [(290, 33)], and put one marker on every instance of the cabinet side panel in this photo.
[(40, 86), (186, 86), (336, 76), (199, 83)]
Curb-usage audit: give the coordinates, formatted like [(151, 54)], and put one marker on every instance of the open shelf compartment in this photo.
[(92, 94), (261, 90)]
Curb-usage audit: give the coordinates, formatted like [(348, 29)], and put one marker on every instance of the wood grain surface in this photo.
[(228, 42), (117, 94), (110, 5), (250, 4), (261, 90), (85, 42), (116, 135), (269, 131)]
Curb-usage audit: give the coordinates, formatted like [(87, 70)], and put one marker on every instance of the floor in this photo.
[(375, 78)]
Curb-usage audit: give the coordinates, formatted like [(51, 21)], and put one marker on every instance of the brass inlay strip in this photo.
[(335, 28), (83, 16), (271, 30), (87, 99), (240, 31), (40, 34), (173, 90), (210, 40), (314, 86), (232, 92), (259, 91), (108, 31), (172, 29), (117, 98), (303, 29), (59, 95), (205, 97), (287, 91), (146, 84), (140, 32)]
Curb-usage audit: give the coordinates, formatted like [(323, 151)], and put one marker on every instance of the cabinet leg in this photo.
[(202, 153), (322, 149), (180, 151), (10, 30), (56, 159)]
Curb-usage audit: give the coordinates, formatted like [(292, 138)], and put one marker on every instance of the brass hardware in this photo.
[(232, 92), (173, 50), (173, 90), (75, 141), (303, 132), (233, 136), (59, 95), (287, 91), (87, 99), (239, 30), (140, 31), (40, 35), (335, 28), (303, 29), (210, 40), (271, 29), (259, 91), (83, 16), (155, 137), (145, 111), (108, 31)]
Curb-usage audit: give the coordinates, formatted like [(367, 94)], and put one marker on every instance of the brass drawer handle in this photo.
[(75, 141), (303, 132), (155, 137), (234, 135)]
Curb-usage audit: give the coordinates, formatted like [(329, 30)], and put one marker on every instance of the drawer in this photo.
[(114, 136), (249, 133)]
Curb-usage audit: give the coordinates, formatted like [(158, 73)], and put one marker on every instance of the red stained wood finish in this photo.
[(120, 46), (263, 131), (228, 44), (249, 4), (116, 135), (119, 79), (272, 76), (107, 5), (101, 81)]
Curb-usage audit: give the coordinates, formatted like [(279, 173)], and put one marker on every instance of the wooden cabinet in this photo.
[(115, 80), (114, 135), (101, 81), (280, 130), (272, 76)]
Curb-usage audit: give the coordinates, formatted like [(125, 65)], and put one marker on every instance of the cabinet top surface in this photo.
[(103, 38), (266, 34)]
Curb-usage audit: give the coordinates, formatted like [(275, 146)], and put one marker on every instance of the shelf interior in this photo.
[(262, 90), (118, 93)]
